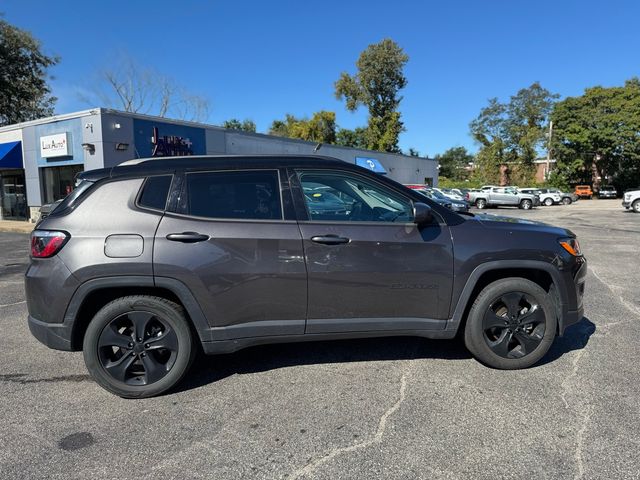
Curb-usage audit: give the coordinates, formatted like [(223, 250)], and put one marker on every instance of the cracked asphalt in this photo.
[(402, 408)]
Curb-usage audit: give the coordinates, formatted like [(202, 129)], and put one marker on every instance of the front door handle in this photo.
[(330, 239), (187, 237)]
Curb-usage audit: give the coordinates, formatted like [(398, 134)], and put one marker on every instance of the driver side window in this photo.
[(342, 197)]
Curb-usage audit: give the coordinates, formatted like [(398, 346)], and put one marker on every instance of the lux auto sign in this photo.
[(57, 145)]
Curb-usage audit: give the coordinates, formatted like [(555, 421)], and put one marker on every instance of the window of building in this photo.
[(58, 182), (234, 195)]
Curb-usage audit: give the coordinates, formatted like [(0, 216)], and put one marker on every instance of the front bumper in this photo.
[(626, 204), (574, 310)]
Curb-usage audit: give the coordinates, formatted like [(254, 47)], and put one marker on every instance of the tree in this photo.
[(235, 124), (376, 85), (320, 128), (136, 88), (24, 92), (356, 138), (512, 133), (453, 162), (597, 133)]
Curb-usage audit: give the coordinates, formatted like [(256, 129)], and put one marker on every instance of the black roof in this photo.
[(158, 165)]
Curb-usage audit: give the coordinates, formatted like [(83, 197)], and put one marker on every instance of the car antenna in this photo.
[(317, 147)]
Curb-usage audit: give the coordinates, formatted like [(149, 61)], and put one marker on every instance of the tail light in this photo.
[(46, 243), (466, 197)]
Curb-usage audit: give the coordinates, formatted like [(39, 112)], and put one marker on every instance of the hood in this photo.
[(510, 223)]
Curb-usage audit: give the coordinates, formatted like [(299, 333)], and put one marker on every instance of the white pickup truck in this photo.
[(631, 199), (502, 197)]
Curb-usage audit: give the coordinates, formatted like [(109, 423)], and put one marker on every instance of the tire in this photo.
[(548, 202), (566, 201), (636, 206), (481, 203), (526, 204), (511, 343), (131, 364)]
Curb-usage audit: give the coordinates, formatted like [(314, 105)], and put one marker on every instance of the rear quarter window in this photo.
[(154, 192)]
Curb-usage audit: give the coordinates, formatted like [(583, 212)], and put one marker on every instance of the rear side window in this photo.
[(155, 191), (251, 195)]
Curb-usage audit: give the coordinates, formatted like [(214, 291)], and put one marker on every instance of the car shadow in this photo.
[(262, 358), (576, 337)]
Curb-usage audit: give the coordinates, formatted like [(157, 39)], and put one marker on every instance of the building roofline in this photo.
[(142, 116)]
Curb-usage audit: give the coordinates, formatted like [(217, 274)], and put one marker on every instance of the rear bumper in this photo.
[(53, 335)]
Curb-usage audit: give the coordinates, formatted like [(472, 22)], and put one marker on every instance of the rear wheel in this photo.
[(548, 202), (526, 204), (636, 206), (566, 201), (481, 203), (511, 324), (138, 346)]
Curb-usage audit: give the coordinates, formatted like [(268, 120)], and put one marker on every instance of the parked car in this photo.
[(546, 198), (565, 198), (502, 196), (428, 193), (455, 205), (607, 191), (447, 192), (147, 262), (631, 199), (584, 191), (45, 210)]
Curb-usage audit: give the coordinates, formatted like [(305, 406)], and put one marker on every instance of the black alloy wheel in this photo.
[(514, 325), (137, 348), (511, 324)]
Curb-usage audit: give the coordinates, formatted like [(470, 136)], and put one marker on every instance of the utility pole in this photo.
[(549, 148)]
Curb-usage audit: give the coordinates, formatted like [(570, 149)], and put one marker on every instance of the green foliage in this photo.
[(444, 182), (453, 162), (376, 84), (512, 133), (599, 131), (412, 152), (24, 92), (356, 138), (320, 128), (235, 124)]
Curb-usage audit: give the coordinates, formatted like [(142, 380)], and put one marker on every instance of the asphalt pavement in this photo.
[(399, 408)]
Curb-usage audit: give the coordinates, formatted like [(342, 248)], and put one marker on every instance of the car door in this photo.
[(230, 241), (371, 268)]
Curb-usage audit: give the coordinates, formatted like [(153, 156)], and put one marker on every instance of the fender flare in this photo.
[(465, 296), (176, 287)]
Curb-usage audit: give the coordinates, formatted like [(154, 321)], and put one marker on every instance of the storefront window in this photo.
[(13, 198), (58, 182)]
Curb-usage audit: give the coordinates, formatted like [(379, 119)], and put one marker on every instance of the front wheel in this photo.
[(526, 204), (636, 206), (138, 346), (548, 202), (566, 201), (511, 324)]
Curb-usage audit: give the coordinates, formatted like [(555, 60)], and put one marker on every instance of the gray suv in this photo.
[(145, 263)]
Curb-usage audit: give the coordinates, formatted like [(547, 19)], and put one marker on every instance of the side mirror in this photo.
[(422, 213)]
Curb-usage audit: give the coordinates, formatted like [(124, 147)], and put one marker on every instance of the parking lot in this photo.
[(381, 408)]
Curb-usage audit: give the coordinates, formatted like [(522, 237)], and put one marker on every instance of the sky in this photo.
[(263, 59)]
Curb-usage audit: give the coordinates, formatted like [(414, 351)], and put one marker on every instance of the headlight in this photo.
[(571, 245)]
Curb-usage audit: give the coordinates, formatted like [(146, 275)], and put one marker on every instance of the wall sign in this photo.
[(57, 145)]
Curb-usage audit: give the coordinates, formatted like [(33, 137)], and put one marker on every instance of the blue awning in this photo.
[(372, 164), (10, 155)]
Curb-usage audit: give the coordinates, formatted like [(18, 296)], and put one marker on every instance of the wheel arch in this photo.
[(92, 295), (541, 273)]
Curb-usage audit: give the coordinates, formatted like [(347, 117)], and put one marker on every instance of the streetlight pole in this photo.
[(549, 148)]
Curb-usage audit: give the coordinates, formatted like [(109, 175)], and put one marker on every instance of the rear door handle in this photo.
[(329, 239), (187, 237)]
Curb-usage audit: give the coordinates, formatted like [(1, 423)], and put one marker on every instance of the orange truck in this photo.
[(584, 191)]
